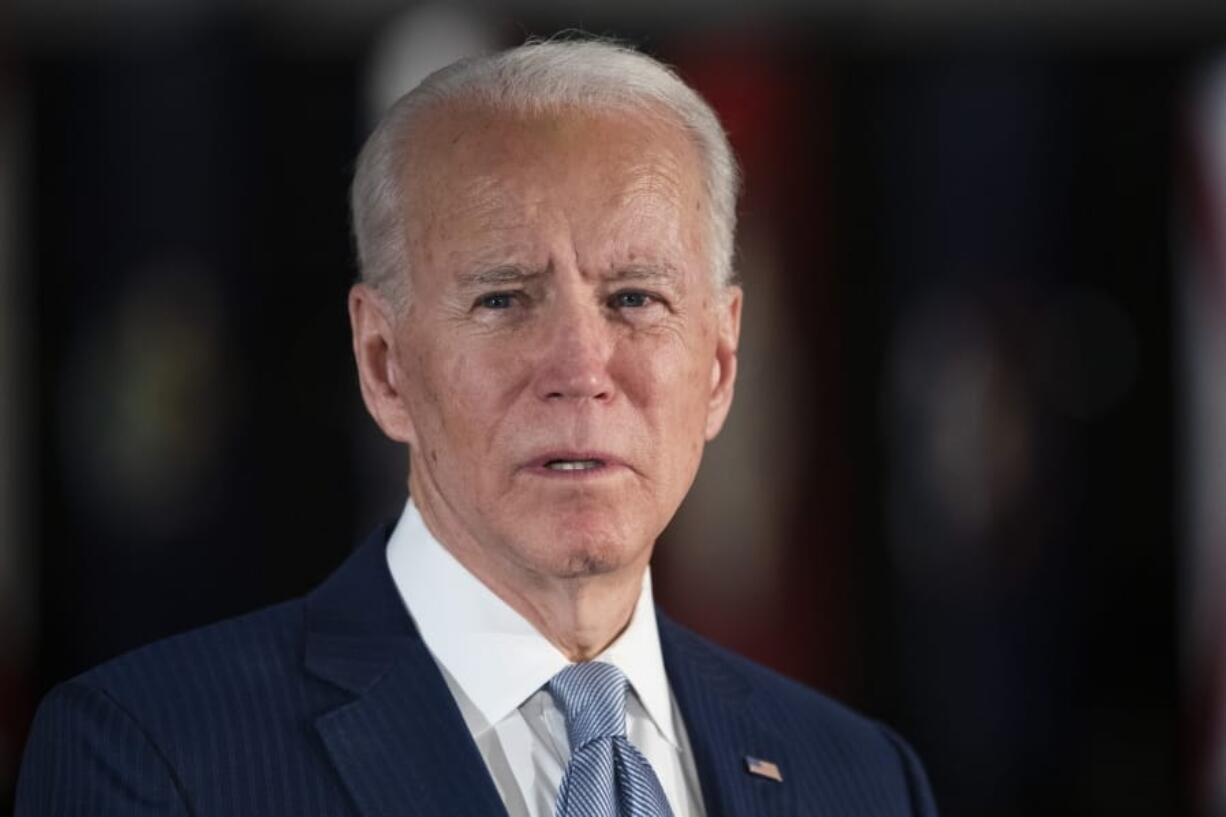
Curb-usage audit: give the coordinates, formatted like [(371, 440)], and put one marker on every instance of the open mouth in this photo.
[(573, 465)]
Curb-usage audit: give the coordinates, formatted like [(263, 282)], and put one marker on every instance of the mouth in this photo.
[(574, 464)]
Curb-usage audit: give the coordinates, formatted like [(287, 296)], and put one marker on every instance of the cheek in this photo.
[(668, 378), (464, 389)]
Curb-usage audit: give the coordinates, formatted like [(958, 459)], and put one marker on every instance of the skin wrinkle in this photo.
[(650, 114), (556, 213)]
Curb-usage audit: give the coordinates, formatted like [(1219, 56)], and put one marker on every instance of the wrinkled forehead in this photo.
[(463, 156)]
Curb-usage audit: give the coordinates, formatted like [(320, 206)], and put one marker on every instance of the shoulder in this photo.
[(775, 696), (828, 739), (220, 719), (203, 693), (241, 680), (137, 730), (235, 655), (828, 733)]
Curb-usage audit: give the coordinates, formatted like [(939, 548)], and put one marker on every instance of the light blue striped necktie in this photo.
[(607, 776)]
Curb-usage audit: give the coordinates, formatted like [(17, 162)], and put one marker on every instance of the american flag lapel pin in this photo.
[(763, 768)]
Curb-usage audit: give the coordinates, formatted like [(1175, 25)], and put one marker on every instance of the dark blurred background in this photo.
[(974, 482)]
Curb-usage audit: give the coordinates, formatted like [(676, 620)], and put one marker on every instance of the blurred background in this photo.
[(974, 482)]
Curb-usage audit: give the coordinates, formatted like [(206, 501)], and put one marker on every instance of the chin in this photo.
[(582, 545), (577, 565)]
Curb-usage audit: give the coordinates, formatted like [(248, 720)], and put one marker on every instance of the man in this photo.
[(547, 320)]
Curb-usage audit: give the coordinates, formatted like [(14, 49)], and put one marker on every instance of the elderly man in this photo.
[(546, 319)]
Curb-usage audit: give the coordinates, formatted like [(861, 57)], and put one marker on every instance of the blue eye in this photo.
[(497, 300), (631, 300)]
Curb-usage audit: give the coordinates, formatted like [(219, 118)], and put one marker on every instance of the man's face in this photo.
[(566, 353)]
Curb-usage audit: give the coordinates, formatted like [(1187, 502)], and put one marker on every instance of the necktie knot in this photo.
[(592, 696), (607, 775)]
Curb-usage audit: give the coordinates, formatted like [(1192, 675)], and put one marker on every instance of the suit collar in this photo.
[(400, 742), (355, 626), (491, 652), (724, 727)]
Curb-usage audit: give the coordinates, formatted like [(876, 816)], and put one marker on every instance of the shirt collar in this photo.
[(493, 653)]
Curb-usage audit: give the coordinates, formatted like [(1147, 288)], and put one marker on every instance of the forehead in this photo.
[(487, 171)]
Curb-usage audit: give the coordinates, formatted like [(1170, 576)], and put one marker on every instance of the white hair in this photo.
[(536, 77)]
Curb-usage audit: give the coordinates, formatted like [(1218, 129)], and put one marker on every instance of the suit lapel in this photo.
[(716, 704), (400, 745)]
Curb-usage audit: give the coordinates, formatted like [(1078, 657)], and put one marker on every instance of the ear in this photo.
[(723, 368), (379, 372)]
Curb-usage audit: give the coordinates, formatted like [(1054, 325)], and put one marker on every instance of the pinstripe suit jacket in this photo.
[(331, 705)]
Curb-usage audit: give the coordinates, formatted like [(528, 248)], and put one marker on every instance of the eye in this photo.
[(630, 299), (496, 300)]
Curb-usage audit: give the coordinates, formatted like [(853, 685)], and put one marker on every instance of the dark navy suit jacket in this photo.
[(331, 705)]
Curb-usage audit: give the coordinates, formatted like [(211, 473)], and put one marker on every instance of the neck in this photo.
[(580, 615)]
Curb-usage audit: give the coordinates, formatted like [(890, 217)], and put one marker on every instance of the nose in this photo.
[(577, 351)]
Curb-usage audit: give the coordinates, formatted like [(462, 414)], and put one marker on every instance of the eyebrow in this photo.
[(495, 276), (660, 273), (511, 274)]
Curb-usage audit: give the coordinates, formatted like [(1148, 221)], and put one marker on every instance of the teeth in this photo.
[(572, 465)]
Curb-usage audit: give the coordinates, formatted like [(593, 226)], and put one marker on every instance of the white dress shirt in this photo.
[(497, 664)]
